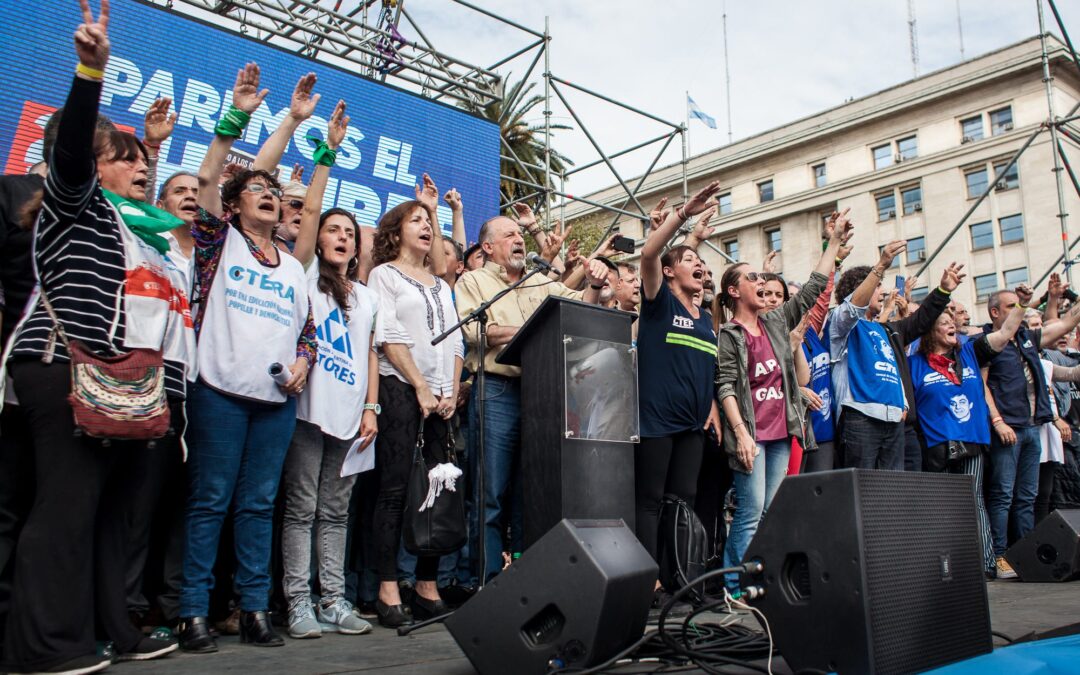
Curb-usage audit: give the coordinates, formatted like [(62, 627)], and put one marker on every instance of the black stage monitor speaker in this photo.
[(1050, 552), (873, 572), (577, 596)]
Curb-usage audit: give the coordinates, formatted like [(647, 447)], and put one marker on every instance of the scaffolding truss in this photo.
[(371, 38)]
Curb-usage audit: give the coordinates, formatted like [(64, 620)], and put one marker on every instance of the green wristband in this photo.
[(323, 155), (232, 123)]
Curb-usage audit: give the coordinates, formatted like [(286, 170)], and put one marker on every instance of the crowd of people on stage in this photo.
[(292, 340)]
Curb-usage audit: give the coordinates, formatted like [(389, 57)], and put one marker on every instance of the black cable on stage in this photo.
[(1003, 636), (705, 646)]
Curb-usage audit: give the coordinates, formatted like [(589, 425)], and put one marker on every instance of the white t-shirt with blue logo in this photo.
[(333, 398)]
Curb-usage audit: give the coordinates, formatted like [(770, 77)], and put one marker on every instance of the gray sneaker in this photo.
[(302, 623), (339, 617)]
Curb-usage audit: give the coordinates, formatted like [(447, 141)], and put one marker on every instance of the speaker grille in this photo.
[(925, 582)]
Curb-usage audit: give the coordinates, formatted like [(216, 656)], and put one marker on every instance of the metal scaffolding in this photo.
[(363, 36), (1057, 126)]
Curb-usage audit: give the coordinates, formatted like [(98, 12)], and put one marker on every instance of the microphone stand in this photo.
[(480, 316)]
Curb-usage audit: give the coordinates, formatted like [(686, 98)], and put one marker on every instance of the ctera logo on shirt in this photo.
[(682, 322), (262, 281), (335, 348), (334, 332)]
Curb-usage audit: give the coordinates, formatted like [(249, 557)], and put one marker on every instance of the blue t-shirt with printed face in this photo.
[(676, 362)]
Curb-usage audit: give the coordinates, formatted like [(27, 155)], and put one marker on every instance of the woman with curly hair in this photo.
[(254, 319), (418, 384)]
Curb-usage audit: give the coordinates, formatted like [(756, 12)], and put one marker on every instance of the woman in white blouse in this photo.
[(417, 385)]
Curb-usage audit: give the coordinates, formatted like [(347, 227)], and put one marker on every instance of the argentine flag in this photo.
[(695, 111)]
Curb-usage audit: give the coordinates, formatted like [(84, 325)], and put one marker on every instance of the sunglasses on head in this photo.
[(257, 188)]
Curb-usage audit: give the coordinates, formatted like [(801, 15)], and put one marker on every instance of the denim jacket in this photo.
[(733, 378)]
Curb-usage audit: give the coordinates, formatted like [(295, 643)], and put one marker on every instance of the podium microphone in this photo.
[(535, 259)]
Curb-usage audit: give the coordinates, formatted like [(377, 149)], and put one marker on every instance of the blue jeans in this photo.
[(502, 460), (236, 455), (754, 492), (1014, 481)]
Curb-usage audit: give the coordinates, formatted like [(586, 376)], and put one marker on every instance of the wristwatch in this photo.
[(374, 407)]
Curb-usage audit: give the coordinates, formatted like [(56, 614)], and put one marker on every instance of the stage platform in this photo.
[(1016, 609)]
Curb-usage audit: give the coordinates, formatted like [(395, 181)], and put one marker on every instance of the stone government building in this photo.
[(909, 161)]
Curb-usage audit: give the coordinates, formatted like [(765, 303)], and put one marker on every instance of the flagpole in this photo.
[(686, 150)]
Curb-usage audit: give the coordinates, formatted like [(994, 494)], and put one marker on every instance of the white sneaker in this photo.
[(302, 623), (1004, 569), (339, 617)]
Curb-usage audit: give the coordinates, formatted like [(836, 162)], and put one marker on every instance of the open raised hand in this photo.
[(159, 123), (339, 123), (246, 93), (952, 276), (303, 102), (428, 195)]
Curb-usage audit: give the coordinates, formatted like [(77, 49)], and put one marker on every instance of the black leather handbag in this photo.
[(439, 528)]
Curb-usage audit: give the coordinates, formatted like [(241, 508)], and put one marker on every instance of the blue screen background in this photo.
[(394, 137)]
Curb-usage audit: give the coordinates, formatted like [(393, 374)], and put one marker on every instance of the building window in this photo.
[(916, 250), (1009, 180), (971, 129), (1001, 121), (776, 240), (982, 235), (724, 201), (819, 175), (895, 261), (765, 191), (886, 206), (912, 199), (731, 248), (919, 294), (977, 181), (1014, 278), (883, 156), (985, 285), (1012, 228), (907, 148)]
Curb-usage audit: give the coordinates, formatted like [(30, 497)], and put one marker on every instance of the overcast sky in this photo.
[(788, 58)]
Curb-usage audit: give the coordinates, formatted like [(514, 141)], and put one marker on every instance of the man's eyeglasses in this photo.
[(296, 204), (257, 188)]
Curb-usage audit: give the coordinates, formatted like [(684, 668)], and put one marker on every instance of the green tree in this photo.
[(525, 140)]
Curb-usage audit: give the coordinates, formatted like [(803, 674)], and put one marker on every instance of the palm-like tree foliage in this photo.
[(525, 141)]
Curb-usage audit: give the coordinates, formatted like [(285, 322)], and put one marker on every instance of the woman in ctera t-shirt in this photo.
[(758, 387), (337, 405), (676, 357), (950, 399), (253, 313)]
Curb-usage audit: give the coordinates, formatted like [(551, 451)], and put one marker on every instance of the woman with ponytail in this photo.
[(758, 387), (338, 404)]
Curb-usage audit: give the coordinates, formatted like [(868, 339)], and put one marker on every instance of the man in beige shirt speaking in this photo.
[(504, 263)]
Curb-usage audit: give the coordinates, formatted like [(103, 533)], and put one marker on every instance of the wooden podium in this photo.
[(579, 414)]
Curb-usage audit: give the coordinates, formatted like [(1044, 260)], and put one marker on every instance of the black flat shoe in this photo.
[(195, 637), (392, 616), (256, 629), (424, 609)]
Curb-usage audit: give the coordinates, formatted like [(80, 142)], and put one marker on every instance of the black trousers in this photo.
[(398, 426), (714, 481), (153, 483), (16, 497), (669, 464), (822, 459), (70, 563), (1046, 488)]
